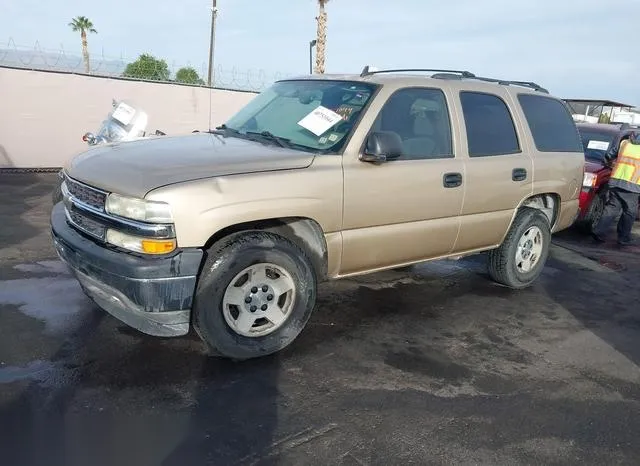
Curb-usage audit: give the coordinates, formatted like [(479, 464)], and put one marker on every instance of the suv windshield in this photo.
[(596, 143), (310, 115)]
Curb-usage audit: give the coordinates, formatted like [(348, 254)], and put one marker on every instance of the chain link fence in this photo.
[(145, 67)]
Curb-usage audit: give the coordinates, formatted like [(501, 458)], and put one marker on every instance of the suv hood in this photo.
[(134, 168)]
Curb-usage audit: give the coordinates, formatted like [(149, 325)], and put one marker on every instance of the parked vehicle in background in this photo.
[(601, 142), (318, 178)]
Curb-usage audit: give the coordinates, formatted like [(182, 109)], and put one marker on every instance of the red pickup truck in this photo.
[(601, 142)]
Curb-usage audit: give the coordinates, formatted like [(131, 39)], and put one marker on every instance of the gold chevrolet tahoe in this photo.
[(317, 178)]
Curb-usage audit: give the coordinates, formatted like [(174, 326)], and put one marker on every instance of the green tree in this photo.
[(149, 68), (83, 25), (188, 75)]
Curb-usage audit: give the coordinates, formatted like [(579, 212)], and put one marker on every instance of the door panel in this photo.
[(491, 199), (400, 211), (499, 169)]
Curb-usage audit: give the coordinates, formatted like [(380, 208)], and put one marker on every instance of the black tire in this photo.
[(502, 260), (224, 260), (594, 212)]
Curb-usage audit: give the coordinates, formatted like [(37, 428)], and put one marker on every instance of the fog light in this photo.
[(139, 244)]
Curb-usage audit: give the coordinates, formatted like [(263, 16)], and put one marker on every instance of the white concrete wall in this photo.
[(44, 115)]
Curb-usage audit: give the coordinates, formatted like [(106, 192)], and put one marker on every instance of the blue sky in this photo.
[(574, 48)]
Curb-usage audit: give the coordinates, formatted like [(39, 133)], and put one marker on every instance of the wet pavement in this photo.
[(432, 365)]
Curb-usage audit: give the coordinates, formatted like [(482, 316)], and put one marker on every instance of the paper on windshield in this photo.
[(123, 113), (598, 145), (320, 120)]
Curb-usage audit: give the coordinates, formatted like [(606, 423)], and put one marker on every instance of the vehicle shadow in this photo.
[(147, 401), (235, 415)]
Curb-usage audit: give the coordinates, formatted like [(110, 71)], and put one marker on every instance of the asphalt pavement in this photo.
[(432, 365)]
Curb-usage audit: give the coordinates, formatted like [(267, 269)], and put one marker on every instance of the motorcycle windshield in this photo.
[(112, 131), (125, 122)]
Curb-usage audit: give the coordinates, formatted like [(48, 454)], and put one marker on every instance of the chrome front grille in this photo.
[(85, 224), (86, 212), (82, 202), (85, 194)]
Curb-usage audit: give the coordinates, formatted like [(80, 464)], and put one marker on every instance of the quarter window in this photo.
[(551, 124), (420, 117), (490, 128)]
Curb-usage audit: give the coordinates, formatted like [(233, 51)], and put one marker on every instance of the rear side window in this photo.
[(551, 124), (490, 128)]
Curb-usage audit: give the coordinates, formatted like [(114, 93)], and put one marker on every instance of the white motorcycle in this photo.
[(125, 122)]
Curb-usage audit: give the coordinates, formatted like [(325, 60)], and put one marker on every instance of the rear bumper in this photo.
[(586, 196), (152, 295)]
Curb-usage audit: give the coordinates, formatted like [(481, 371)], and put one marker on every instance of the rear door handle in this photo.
[(519, 174), (452, 180)]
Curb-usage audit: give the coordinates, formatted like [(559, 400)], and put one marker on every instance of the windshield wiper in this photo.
[(224, 128), (282, 142)]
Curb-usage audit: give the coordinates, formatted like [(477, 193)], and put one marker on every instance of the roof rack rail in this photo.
[(507, 82), (456, 74), (368, 72)]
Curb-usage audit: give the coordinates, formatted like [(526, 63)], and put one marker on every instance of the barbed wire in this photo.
[(144, 67)]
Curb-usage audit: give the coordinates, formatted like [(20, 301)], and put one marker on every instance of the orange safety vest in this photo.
[(626, 170)]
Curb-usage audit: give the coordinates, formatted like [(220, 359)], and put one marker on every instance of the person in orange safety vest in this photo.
[(624, 192)]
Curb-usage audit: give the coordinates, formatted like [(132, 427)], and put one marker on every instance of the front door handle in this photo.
[(452, 180), (519, 174)]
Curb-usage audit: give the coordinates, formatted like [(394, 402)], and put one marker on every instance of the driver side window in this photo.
[(420, 117)]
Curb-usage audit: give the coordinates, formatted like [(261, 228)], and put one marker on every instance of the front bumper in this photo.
[(153, 295)]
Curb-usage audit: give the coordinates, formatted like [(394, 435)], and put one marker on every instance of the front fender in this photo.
[(222, 217)]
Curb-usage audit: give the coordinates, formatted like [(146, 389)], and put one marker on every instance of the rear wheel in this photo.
[(519, 261), (255, 295)]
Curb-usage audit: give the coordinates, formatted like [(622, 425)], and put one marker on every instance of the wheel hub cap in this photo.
[(258, 300), (529, 249)]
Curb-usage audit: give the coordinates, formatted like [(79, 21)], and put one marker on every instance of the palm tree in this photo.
[(321, 36), (84, 25)]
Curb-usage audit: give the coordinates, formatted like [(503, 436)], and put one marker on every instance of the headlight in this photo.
[(589, 180), (138, 209), (137, 244)]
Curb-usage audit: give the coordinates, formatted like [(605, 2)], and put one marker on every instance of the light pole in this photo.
[(212, 43), (311, 45)]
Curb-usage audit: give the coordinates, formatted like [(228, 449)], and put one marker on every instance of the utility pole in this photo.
[(311, 45), (212, 43)]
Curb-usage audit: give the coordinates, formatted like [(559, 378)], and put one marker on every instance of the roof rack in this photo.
[(456, 74), (368, 72), (507, 82)]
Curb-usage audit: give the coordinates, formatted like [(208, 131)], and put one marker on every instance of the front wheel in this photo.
[(256, 293), (519, 261)]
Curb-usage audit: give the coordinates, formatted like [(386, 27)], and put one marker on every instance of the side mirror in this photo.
[(382, 146)]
